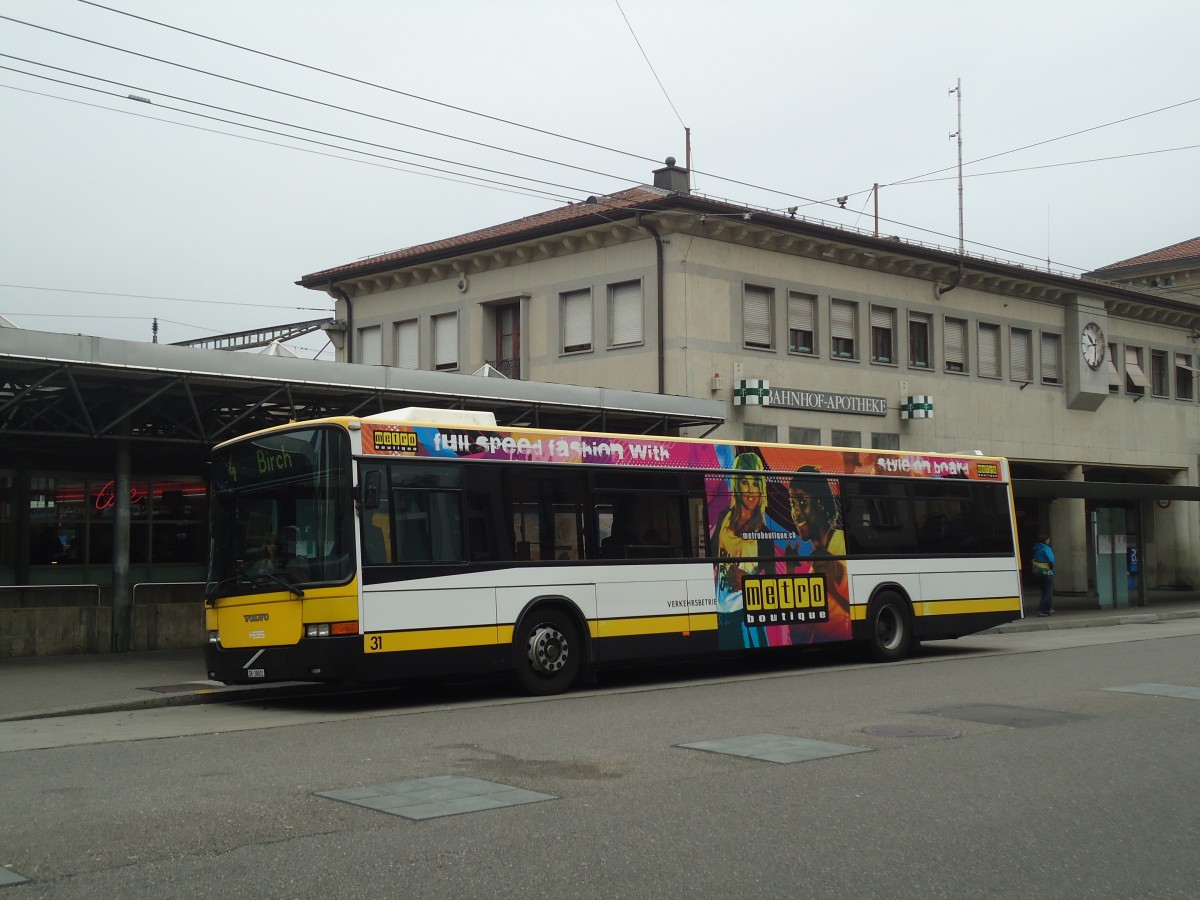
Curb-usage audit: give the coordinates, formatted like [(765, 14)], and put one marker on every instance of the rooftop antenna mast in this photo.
[(957, 89)]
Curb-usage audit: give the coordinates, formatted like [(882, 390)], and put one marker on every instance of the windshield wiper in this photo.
[(258, 579), (212, 590), (244, 580)]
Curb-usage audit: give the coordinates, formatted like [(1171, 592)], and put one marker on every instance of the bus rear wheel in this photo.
[(890, 631), (548, 652)]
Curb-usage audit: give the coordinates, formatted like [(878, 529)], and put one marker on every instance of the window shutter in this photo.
[(881, 317), (989, 351), (1133, 368), (370, 346), (625, 313), (756, 313), (841, 320), (577, 321), (1050, 354), (1020, 355), (445, 341), (407, 345), (955, 345), (801, 316)]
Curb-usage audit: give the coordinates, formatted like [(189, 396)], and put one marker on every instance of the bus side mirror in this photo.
[(370, 490)]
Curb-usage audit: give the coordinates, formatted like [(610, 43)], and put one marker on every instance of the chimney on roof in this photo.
[(673, 178)]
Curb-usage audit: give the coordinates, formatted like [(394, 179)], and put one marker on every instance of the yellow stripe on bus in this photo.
[(431, 639), (647, 625), (858, 612), (963, 607), (489, 635)]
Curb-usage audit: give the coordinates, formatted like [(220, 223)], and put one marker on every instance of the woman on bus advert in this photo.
[(817, 515), (738, 535)]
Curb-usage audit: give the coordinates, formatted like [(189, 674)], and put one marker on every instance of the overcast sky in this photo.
[(116, 212)]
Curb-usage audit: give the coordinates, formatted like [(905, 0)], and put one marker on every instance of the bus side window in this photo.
[(377, 539), (376, 517)]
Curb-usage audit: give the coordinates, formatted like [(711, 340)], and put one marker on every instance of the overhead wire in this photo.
[(292, 96), (278, 122), (372, 84), (399, 167), (807, 200)]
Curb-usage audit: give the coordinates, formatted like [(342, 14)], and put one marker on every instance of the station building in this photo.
[(811, 333)]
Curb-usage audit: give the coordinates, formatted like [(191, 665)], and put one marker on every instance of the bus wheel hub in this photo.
[(547, 649)]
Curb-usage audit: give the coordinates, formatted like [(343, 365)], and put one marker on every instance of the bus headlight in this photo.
[(214, 637)]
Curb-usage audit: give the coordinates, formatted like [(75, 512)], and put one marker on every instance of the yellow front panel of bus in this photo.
[(260, 624)]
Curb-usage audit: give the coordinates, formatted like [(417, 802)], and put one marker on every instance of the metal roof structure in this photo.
[(59, 388)]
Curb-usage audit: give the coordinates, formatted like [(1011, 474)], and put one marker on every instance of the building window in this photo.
[(883, 440), (955, 341), (883, 334), (843, 328), (1184, 376), (800, 434), (625, 314), (760, 434), (1136, 381), (370, 345), (1020, 355), (1114, 373), (507, 322), (1160, 386), (989, 350), (577, 321), (802, 323), (839, 438), (757, 316), (407, 345), (918, 340), (1051, 358), (445, 341)]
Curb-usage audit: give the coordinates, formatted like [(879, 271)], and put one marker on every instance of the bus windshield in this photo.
[(281, 513)]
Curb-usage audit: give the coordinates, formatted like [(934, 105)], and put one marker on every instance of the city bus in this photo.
[(426, 542)]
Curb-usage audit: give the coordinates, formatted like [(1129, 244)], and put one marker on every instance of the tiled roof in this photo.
[(623, 200), (1175, 253)]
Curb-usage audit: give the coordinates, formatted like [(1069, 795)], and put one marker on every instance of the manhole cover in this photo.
[(911, 731)]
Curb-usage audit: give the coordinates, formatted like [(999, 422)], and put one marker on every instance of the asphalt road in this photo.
[(999, 765)]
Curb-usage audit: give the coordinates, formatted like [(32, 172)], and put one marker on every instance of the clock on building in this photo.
[(1093, 345)]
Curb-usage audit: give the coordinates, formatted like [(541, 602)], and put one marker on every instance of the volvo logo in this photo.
[(257, 617)]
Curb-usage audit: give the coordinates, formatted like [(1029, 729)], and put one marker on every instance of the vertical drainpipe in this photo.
[(348, 344), (662, 338)]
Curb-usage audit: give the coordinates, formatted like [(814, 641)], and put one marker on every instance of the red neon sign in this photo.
[(106, 497)]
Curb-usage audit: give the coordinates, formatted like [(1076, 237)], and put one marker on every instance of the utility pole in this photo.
[(957, 89)]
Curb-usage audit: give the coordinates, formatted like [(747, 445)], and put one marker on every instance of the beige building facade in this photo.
[(1088, 387)]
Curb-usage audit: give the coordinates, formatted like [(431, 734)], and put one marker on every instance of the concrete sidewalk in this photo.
[(42, 687)]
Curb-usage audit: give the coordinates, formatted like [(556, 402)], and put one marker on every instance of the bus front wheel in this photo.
[(548, 652), (890, 628)]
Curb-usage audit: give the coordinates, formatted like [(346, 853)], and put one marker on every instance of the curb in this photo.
[(1056, 623), (202, 696)]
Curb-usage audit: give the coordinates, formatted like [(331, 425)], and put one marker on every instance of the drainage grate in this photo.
[(430, 798), (776, 748)]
